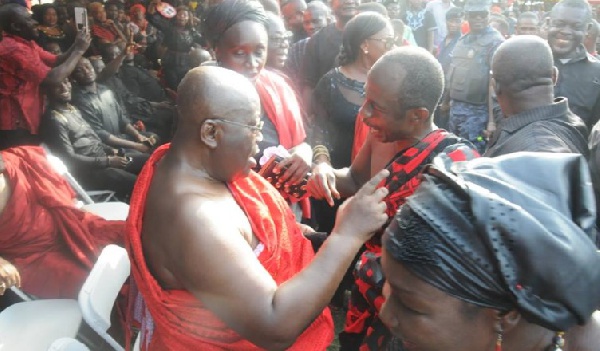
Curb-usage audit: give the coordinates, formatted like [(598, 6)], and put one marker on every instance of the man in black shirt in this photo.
[(323, 47), (93, 163), (579, 78), (100, 108), (533, 119)]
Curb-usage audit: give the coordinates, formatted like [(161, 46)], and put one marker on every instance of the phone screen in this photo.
[(81, 18)]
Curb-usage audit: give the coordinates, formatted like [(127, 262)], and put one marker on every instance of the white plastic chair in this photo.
[(100, 290), (67, 344), (35, 325)]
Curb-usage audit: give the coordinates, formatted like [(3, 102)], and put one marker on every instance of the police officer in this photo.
[(468, 76)]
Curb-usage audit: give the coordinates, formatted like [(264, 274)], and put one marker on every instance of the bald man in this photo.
[(533, 119), (216, 252)]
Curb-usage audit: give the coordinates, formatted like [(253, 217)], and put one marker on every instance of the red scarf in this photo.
[(53, 244), (281, 106), (180, 320)]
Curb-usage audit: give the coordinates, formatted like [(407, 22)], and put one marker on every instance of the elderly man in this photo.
[(403, 89), (265, 288), (24, 68), (579, 79), (533, 119)]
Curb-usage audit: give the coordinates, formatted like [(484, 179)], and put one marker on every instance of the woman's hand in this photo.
[(9, 276)]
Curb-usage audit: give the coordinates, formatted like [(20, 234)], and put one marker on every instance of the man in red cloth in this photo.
[(217, 256), (52, 244), (402, 91), (24, 68)]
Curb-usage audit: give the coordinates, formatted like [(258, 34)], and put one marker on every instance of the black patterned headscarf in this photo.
[(513, 232), (227, 13)]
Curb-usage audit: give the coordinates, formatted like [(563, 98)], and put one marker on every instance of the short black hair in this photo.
[(578, 4), (423, 81), (357, 30), (373, 7), (116, 3), (8, 13), (515, 69), (528, 14), (455, 12), (224, 15)]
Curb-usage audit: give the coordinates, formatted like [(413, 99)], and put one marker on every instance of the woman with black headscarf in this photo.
[(237, 32), (489, 255)]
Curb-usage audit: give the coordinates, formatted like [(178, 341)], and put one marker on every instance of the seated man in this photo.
[(157, 116), (100, 108), (489, 253), (95, 164), (403, 89), (52, 244), (199, 204), (533, 119)]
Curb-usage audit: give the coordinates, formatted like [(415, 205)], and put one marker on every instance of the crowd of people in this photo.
[(409, 165)]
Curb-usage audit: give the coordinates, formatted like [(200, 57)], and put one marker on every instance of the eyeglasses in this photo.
[(255, 129), (388, 43)]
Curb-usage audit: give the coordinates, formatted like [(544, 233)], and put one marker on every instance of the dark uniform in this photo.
[(468, 80)]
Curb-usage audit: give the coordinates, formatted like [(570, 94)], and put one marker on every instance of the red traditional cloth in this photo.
[(405, 168), (23, 67), (180, 320), (52, 244), (281, 106), (104, 32)]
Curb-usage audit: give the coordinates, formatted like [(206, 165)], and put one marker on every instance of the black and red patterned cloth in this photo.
[(362, 321)]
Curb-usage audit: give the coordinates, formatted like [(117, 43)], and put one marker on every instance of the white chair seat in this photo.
[(67, 344), (35, 325), (112, 211)]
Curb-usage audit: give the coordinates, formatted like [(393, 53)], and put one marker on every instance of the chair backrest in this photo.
[(59, 166), (100, 290)]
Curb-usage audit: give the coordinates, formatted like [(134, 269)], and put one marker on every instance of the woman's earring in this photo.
[(499, 340), (366, 52), (559, 341)]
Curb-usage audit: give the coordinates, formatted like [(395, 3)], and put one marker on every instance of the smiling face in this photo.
[(243, 49), (427, 319), (381, 111), (566, 30), (314, 21), (278, 43), (60, 92), (84, 73), (50, 18)]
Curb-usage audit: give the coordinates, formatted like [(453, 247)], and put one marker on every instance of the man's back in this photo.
[(551, 128)]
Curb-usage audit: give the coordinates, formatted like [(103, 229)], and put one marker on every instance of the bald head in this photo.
[(515, 69), (214, 92)]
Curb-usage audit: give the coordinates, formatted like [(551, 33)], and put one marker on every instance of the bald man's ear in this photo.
[(209, 134), (418, 115), (554, 75), (495, 86)]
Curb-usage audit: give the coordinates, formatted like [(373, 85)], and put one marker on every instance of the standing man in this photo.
[(24, 69), (579, 78), (316, 16), (533, 120), (323, 48), (468, 78), (528, 24), (438, 9), (292, 12), (403, 89), (422, 24)]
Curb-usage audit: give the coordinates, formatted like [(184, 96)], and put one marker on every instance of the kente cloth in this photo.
[(479, 230), (366, 295), (52, 243), (180, 320), (281, 106)]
